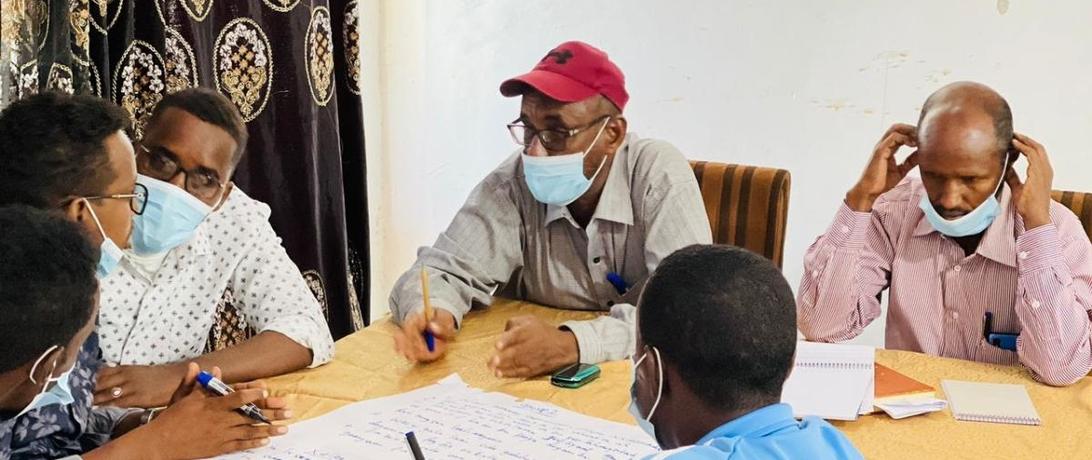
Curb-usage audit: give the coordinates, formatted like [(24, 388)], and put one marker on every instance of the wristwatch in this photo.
[(148, 415)]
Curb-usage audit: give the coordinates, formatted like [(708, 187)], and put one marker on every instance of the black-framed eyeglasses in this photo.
[(164, 166), (551, 139), (138, 200)]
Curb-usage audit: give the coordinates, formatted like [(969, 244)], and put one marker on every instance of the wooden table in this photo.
[(366, 366)]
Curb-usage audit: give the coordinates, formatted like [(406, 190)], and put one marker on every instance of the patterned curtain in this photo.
[(292, 67)]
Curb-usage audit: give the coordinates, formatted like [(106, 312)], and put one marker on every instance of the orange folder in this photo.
[(890, 385)]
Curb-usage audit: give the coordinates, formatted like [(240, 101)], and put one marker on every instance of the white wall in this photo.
[(804, 85)]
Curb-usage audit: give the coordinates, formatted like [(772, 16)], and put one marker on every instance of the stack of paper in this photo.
[(832, 381), (990, 402), (901, 396), (902, 408), (454, 421)]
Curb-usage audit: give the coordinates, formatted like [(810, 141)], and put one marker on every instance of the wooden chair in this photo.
[(1080, 203), (747, 205), (230, 328)]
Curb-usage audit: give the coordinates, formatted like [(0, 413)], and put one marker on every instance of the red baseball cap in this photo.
[(571, 72)]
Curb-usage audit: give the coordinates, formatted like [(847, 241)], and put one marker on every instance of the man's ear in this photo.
[(223, 198), (47, 364), (1011, 155), (74, 210), (616, 132), (670, 375)]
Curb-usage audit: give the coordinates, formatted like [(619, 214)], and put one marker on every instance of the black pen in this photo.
[(987, 325), (414, 447), (217, 386)]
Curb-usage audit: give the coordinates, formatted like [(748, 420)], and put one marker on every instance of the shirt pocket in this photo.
[(987, 353)]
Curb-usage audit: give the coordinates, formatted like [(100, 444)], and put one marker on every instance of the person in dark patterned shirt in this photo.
[(69, 157)]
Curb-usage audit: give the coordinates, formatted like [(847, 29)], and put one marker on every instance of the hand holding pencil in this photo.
[(424, 336), (430, 340)]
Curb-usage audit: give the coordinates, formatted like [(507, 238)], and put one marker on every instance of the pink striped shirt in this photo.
[(1037, 283)]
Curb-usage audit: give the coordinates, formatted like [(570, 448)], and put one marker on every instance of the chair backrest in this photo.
[(230, 328), (1080, 203), (747, 205)]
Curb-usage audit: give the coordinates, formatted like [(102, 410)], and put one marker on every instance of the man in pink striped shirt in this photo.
[(955, 245)]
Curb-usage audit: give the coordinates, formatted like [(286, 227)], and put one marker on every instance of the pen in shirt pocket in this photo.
[(1002, 340), (618, 283)]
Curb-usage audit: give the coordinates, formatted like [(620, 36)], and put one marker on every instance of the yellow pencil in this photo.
[(430, 340), (424, 294)]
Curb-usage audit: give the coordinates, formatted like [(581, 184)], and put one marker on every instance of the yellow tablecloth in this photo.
[(365, 367)]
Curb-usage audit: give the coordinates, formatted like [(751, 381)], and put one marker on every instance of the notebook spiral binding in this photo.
[(834, 365), (996, 419)]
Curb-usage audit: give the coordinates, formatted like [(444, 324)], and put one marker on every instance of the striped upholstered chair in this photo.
[(747, 205), (1080, 203)]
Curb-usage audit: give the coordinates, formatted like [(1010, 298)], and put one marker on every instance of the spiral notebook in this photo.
[(832, 381), (990, 402)]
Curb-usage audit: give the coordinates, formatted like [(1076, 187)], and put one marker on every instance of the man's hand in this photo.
[(530, 347), (138, 386), (410, 340), (200, 425), (883, 173), (1032, 198)]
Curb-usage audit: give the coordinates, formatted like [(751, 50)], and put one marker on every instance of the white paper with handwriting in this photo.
[(454, 421)]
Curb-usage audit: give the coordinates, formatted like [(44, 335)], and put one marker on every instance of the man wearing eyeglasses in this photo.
[(67, 165), (576, 218), (197, 238)]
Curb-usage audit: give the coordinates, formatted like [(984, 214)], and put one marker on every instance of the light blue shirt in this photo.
[(769, 433)]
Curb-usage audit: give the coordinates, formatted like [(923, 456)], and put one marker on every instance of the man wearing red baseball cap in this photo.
[(576, 218)]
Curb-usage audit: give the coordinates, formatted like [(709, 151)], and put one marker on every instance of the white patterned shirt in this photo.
[(165, 317)]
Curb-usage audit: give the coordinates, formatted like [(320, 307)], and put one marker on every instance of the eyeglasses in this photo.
[(164, 166), (137, 200), (551, 139)]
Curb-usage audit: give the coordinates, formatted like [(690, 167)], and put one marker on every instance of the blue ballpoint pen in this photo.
[(618, 283), (220, 388)]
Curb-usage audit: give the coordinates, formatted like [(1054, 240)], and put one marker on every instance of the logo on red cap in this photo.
[(560, 57)]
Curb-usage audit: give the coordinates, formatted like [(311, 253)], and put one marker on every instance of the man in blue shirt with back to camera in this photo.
[(709, 388)]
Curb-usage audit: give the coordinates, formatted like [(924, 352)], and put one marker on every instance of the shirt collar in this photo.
[(755, 424), (999, 242), (615, 203)]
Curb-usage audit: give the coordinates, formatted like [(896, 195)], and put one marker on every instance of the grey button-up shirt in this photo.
[(505, 242)]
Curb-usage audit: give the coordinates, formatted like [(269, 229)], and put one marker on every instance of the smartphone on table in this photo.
[(575, 376)]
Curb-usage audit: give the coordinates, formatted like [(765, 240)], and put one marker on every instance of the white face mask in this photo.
[(61, 393), (170, 217), (645, 422), (972, 223), (559, 180)]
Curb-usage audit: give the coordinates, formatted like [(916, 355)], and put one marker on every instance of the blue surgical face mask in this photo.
[(559, 179), (644, 421), (109, 253), (972, 223), (170, 218), (60, 393)]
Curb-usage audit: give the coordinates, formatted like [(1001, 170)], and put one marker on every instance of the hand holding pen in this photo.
[(199, 424)]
